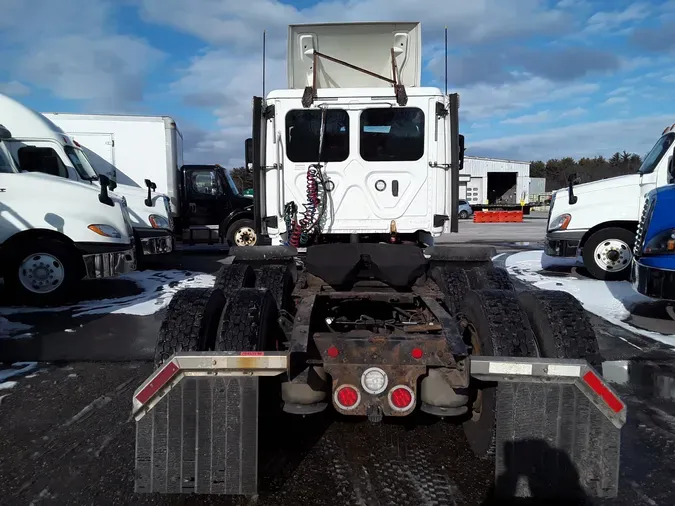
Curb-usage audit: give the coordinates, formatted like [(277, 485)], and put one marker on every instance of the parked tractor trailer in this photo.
[(360, 165)]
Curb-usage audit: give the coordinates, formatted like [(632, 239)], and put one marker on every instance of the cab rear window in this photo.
[(303, 129), (392, 134)]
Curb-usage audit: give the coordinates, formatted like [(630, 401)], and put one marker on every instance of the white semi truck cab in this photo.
[(38, 145), (379, 162), (599, 219), (55, 232)]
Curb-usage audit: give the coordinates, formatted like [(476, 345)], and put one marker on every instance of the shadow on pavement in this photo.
[(529, 464)]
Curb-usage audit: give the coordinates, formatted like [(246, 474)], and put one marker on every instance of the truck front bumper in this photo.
[(107, 261), (153, 241), (563, 243), (653, 282)]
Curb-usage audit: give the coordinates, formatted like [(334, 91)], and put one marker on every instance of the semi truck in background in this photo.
[(653, 271), (600, 219), (55, 232), (205, 204), (38, 145)]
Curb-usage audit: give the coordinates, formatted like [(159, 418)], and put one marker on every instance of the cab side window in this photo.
[(205, 183), (44, 160)]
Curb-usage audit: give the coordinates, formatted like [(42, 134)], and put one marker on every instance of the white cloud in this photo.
[(486, 101), (71, 48), (571, 113), (670, 78), (528, 119), (231, 21), (615, 101), (608, 21), (586, 139), (14, 88)]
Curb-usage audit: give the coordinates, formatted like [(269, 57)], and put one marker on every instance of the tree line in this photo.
[(556, 171)]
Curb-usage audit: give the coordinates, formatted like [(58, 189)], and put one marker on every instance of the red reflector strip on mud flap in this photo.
[(555, 417), (599, 388), (165, 374)]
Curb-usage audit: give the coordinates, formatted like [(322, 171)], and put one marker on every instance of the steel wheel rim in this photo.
[(41, 273), (245, 236), (612, 255)]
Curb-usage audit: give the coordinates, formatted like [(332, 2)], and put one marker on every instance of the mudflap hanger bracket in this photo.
[(310, 93), (197, 423)]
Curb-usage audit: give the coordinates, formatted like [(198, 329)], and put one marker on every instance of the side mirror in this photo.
[(461, 151), (571, 179), (248, 146), (151, 187), (112, 185), (103, 197)]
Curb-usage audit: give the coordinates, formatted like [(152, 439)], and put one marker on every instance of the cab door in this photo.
[(374, 161)]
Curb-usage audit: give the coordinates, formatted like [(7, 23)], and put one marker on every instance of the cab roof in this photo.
[(24, 122), (374, 93)]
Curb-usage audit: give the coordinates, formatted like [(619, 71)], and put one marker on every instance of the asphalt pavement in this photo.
[(68, 438)]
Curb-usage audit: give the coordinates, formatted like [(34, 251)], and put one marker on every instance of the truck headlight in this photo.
[(560, 222), (105, 231), (158, 221), (662, 243)]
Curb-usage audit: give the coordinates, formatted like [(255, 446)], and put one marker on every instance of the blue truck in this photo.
[(653, 272)]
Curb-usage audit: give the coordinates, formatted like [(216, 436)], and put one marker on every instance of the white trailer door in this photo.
[(100, 150), (474, 191)]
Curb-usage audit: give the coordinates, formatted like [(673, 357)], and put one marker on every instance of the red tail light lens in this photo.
[(401, 398), (347, 397)]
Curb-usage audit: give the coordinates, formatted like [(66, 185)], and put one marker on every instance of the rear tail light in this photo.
[(347, 397), (401, 398)]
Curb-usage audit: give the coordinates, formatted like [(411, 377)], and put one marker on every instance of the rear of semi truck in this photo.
[(379, 326)]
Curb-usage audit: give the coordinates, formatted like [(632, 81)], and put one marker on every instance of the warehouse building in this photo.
[(494, 181)]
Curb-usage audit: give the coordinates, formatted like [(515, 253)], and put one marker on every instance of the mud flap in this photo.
[(552, 441), (201, 437)]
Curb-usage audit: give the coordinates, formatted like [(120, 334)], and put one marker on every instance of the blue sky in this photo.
[(537, 78)]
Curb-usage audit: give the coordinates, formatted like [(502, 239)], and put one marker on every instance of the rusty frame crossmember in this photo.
[(309, 94)]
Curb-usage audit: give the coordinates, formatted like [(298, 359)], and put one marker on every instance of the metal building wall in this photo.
[(478, 167)]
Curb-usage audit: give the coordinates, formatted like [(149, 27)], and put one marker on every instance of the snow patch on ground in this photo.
[(158, 289), (17, 369), (8, 328), (611, 300), (7, 385)]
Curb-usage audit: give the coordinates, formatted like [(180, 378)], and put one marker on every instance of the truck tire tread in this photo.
[(278, 280), (234, 276), (561, 326), (191, 322), (503, 331), (455, 283), (490, 278), (248, 322)]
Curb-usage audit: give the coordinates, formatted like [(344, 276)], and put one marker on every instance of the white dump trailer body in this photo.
[(129, 149)]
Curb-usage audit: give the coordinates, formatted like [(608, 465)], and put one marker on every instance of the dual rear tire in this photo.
[(544, 323)]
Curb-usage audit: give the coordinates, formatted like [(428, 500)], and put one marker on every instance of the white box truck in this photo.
[(206, 205), (38, 145), (55, 232), (600, 219)]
